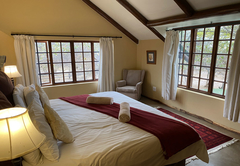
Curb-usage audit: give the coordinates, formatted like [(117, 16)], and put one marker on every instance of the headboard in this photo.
[(6, 87)]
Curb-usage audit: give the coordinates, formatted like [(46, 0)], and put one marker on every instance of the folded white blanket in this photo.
[(99, 100), (124, 112)]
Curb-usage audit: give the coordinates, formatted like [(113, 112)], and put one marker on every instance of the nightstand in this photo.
[(14, 162)]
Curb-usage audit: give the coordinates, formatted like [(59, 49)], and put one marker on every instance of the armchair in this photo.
[(131, 85)]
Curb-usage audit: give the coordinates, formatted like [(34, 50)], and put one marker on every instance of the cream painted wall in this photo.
[(196, 103), (65, 17)]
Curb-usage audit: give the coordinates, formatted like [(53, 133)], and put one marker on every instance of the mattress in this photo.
[(101, 140)]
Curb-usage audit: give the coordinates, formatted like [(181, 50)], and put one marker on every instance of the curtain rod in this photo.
[(67, 35), (205, 25)]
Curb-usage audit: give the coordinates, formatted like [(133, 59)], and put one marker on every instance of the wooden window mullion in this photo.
[(93, 66), (51, 61), (74, 75), (190, 58)]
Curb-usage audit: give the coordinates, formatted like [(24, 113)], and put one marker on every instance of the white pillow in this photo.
[(31, 94), (49, 148), (18, 96), (43, 96), (34, 157), (59, 127)]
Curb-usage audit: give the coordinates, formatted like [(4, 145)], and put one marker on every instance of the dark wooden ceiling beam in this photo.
[(109, 19), (140, 17), (235, 8), (186, 7)]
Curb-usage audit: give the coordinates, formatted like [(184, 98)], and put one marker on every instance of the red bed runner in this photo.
[(173, 135)]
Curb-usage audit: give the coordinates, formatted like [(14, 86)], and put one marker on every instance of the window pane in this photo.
[(209, 33), (232, 45), (188, 35), (187, 47), (56, 47), (42, 57), (78, 57), (96, 57), (96, 47), (181, 46), (225, 32), (68, 77), (235, 28), (227, 75), (65, 47), (41, 47), (203, 85), (221, 61), (79, 66), (67, 57), (45, 78), (185, 69), (196, 59), (86, 47), (218, 88), (44, 68), (179, 69), (57, 57), (206, 60), (223, 47), (96, 65), (225, 89), (184, 80), (88, 75), (229, 61), (87, 57), (179, 80), (195, 71), (80, 76), (57, 68), (88, 66), (219, 74), (96, 74), (67, 67), (194, 83), (77, 47), (199, 33), (205, 72), (182, 35), (208, 47), (186, 58), (198, 47), (58, 78)]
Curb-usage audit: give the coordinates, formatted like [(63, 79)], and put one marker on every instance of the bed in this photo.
[(101, 140)]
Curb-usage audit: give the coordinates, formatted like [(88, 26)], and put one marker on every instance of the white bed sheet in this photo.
[(102, 140)]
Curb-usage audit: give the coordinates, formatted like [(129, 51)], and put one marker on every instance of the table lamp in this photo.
[(18, 134), (12, 72)]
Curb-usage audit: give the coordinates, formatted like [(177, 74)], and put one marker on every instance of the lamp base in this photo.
[(12, 81), (17, 161)]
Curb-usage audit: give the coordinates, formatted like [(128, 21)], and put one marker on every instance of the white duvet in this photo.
[(101, 140)]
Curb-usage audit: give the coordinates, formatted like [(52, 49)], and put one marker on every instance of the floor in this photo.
[(229, 156)]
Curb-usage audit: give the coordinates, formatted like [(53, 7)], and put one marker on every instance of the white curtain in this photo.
[(106, 68), (170, 66), (26, 61), (232, 98)]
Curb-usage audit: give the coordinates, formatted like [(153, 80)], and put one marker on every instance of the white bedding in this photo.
[(101, 140)]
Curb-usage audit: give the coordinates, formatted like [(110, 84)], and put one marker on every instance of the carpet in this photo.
[(214, 140)]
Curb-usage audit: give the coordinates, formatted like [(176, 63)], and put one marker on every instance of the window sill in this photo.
[(70, 84), (202, 94)]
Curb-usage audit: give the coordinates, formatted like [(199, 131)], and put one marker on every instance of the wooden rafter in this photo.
[(185, 6), (235, 8), (140, 17), (109, 19)]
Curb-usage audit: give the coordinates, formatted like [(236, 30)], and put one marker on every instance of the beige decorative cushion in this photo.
[(18, 96), (43, 96), (31, 94), (49, 148), (133, 77), (59, 127)]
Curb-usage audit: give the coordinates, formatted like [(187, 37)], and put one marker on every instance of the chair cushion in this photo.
[(6, 86), (133, 77), (127, 89)]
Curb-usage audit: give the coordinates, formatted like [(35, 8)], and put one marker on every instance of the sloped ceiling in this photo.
[(161, 9)]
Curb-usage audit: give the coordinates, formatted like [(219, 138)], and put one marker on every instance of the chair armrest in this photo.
[(121, 83), (138, 86)]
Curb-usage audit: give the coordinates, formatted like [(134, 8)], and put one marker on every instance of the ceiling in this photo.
[(161, 9)]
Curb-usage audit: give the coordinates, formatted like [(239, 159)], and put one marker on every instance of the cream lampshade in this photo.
[(12, 72), (18, 135)]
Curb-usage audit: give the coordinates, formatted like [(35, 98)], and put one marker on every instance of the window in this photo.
[(204, 58), (62, 62)]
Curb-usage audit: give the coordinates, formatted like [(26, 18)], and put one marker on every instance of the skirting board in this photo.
[(197, 116)]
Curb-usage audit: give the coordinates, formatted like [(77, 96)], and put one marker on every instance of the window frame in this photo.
[(213, 60), (51, 72)]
